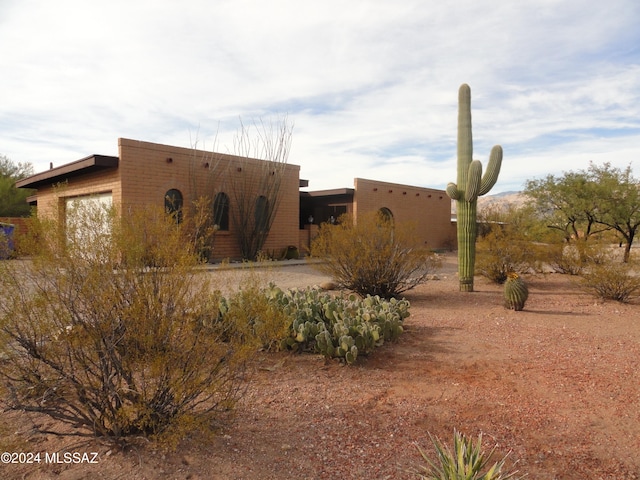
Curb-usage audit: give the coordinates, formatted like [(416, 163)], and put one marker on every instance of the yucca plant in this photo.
[(467, 461)]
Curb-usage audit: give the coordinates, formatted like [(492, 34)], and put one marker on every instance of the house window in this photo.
[(221, 211), (386, 214), (173, 204), (262, 213)]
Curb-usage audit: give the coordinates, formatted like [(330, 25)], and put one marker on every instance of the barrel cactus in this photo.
[(515, 292), (470, 185)]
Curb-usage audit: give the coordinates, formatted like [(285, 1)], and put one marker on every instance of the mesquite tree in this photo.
[(470, 185)]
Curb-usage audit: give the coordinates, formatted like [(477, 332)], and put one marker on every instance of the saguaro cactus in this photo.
[(470, 185)]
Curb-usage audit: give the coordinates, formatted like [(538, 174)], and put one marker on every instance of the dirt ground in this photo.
[(556, 385)]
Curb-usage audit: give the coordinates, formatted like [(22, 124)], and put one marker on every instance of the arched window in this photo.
[(221, 211), (173, 204), (386, 214), (262, 213)]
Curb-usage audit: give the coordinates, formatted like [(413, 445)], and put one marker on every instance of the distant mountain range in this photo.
[(503, 198), (515, 198)]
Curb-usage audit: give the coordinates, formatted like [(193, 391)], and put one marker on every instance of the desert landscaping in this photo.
[(555, 386)]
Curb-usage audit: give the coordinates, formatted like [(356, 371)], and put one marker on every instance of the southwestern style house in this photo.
[(146, 173)]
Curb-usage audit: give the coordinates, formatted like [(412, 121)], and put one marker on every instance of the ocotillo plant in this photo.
[(470, 185)]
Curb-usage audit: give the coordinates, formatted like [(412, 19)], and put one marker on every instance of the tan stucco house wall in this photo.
[(144, 172)]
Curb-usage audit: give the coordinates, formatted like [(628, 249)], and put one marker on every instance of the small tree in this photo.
[(373, 256), (618, 194), (111, 328), (13, 201)]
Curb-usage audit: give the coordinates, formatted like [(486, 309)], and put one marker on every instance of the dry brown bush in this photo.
[(109, 328), (374, 256)]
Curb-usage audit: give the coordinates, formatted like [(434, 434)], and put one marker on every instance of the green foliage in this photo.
[(470, 185), (515, 292), (618, 197), (610, 281), (467, 461), (505, 242), (102, 328), (343, 327), (13, 201), (568, 203), (374, 256), (588, 202)]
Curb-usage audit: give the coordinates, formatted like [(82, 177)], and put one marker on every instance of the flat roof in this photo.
[(83, 166), (330, 193)]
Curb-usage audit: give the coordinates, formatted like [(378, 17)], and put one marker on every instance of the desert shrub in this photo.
[(342, 327), (563, 258), (508, 241), (467, 461), (572, 258), (500, 252), (373, 257), (103, 328), (610, 281), (255, 318)]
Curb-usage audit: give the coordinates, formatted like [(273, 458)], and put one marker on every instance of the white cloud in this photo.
[(371, 86)]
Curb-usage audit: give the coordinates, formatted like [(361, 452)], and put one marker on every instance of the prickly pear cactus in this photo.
[(339, 326), (515, 292), (470, 185)]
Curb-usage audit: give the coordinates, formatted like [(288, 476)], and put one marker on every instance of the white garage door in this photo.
[(88, 217)]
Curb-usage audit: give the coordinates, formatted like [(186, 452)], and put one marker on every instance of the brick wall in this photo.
[(51, 198), (429, 209), (146, 171), (149, 170)]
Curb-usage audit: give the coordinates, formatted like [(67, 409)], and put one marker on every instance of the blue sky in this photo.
[(370, 85)]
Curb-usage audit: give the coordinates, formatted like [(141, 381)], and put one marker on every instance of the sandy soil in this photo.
[(556, 385)]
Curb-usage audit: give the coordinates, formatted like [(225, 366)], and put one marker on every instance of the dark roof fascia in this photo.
[(330, 193), (83, 166)]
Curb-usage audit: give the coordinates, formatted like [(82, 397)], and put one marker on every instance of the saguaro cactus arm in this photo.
[(493, 170), (453, 192), (473, 181)]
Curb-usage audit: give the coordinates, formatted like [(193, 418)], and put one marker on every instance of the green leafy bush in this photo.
[(344, 327), (467, 461), (374, 256), (102, 328)]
